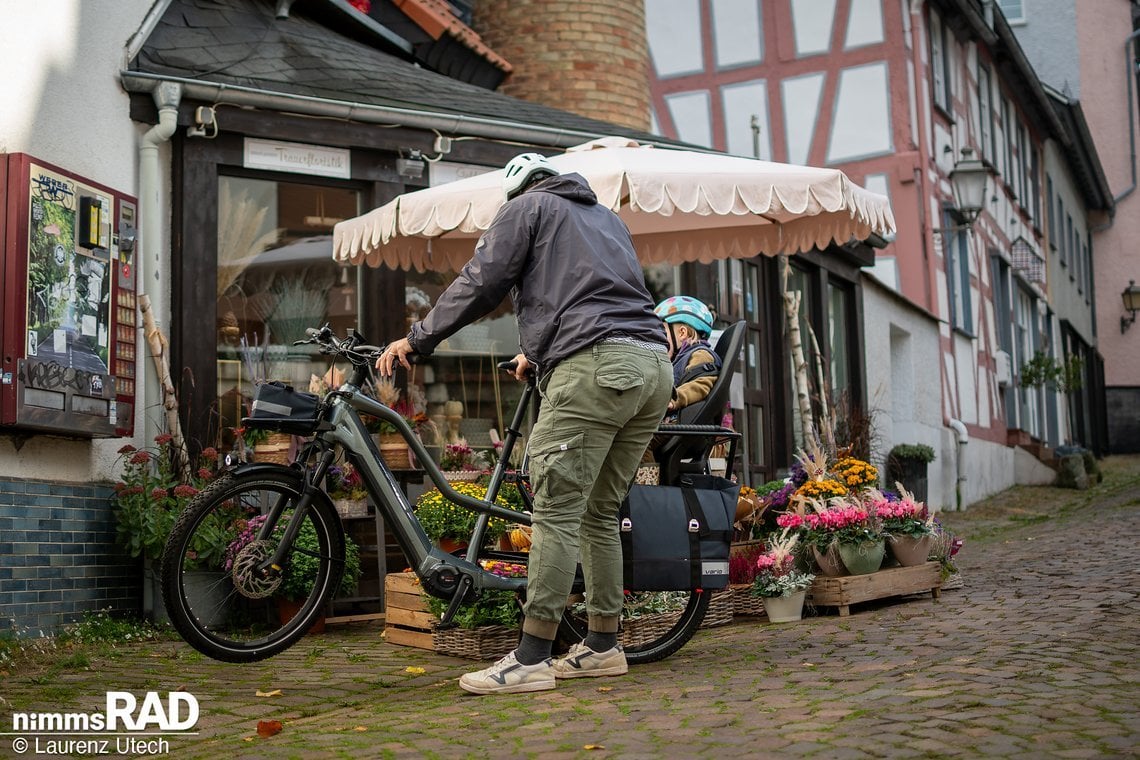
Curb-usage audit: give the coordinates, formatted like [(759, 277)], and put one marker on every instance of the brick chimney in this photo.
[(586, 56)]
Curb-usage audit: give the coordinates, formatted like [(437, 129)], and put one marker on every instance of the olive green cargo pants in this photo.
[(600, 407)]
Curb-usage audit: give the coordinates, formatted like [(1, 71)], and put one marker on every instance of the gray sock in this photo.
[(601, 642), (533, 650)]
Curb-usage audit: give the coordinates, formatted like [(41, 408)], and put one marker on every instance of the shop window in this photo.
[(839, 338), (276, 277)]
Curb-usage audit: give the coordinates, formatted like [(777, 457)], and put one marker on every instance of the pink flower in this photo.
[(185, 491), (140, 457), (159, 493), (127, 449), (210, 454), (163, 438)]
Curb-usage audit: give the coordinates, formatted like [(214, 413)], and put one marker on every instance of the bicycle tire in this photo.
[(573, 629), (233, 616)]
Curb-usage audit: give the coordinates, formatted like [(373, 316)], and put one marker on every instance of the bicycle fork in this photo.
[(275, 564)]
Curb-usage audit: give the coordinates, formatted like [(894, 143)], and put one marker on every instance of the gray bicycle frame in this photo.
[(348, 430)]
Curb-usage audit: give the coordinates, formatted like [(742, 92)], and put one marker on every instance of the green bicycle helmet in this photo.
[(686, 310)]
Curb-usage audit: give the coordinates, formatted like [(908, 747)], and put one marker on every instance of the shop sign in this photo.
[(297, 158)]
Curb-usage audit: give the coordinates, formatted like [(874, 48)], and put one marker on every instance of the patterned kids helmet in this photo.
[(521, 169), (686, 310)]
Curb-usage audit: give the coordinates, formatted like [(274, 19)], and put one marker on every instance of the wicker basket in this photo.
[(743, 603), (720, 609), (274, 449), (488, 642), (642, 630), (952, 581), (394, 451), (648, 475)]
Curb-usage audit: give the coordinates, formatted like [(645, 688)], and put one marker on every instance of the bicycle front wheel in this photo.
[(213, 593), (655, 624)]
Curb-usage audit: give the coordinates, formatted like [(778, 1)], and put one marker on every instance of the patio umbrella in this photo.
[(679, 205)]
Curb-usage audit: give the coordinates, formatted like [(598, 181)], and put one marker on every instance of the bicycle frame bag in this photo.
[(677, 538), (277, 406)]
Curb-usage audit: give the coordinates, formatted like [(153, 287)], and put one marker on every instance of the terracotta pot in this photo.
[(451, 545), (287, 609)]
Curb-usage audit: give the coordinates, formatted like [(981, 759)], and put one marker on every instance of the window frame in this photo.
[(985, 111), (940, 84)]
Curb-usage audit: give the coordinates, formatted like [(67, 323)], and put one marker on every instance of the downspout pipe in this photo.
[(148, 262), (963, 438), (1130, 75)]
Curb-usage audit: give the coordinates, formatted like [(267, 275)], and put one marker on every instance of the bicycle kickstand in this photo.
[(447, 621)]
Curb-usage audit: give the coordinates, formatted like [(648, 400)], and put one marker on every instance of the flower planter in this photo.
[(785, 609), (351, 508), (457, 476), (487, 642), (394, 450), (863, 558), (639, 631), (829, 562), (744, 604), (895, 581), (720, 609), (911, 550), (274, 449), (287, 609)]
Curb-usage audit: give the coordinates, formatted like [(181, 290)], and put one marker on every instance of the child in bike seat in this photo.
[(688, 324)]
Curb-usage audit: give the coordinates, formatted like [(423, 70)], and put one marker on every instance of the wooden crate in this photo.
[(407, 620), (846, 590)]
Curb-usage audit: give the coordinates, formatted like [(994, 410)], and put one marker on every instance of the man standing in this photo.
[(586, 323)]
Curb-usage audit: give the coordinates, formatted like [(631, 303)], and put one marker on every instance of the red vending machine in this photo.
[(68, 316)]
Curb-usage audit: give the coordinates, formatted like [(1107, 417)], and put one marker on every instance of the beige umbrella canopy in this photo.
[(679, 205)]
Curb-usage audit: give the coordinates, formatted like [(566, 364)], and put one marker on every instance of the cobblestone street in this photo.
[(1035, 657)]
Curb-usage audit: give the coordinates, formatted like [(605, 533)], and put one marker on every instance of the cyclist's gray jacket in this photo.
[(569, 266)]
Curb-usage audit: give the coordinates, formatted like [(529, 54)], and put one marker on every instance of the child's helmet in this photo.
[(688, 311), (521, 169)]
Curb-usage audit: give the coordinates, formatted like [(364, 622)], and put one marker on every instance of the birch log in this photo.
[(826, 418), (799, 364), (160, 353)]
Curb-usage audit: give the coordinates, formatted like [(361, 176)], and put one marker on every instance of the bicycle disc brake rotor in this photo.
[(246, 571)]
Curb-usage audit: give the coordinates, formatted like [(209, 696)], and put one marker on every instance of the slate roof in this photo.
[(310, 53)]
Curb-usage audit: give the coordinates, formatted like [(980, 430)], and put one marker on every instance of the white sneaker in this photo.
[(508, 676), (583, 662)]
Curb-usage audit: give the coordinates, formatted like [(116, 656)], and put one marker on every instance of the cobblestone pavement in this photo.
[(1036, 656)]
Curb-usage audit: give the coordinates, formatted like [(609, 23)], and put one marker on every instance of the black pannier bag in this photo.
[(678, 538), (277, 406)]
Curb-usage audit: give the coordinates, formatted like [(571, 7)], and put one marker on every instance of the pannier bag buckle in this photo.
[(626, 525), (694, 526)]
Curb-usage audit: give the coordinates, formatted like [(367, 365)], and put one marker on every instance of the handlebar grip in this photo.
[(508, 366)]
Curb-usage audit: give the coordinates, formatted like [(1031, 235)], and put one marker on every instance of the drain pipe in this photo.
[(148, 262), (963, 438)]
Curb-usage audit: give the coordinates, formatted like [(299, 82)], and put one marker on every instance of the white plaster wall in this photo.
[(1064, 296), (62, 103), (903, 381)]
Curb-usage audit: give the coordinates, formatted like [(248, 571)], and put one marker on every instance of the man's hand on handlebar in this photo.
[(522, 367), (396, 351)]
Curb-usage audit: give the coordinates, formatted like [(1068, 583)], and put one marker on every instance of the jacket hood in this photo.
[(572, 186)]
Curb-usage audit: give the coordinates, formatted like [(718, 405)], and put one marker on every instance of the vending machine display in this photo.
[(69, 316)]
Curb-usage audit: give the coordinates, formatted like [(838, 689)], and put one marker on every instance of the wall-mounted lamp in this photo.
[(411, 167), (968, 179), (1131, 298)]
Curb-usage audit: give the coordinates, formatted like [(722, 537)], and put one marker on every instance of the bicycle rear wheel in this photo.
[(214, 598), (666, 620)]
